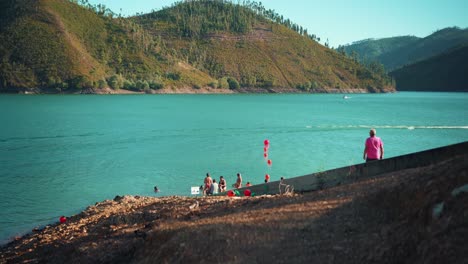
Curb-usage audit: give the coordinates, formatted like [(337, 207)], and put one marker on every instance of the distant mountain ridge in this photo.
[(370, 50), (397, 52), (445, 72), (60, 46)]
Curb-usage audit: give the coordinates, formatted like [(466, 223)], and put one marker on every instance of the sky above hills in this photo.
[(344, 21)]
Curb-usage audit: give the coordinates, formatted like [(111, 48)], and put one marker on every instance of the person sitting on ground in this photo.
[(214, 187), (222, 184), (281, 184), (248, 184), (287, 188)]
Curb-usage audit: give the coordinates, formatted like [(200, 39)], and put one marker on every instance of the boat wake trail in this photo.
[(385, 127)]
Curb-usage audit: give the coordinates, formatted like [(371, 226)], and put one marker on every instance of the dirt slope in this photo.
[(393, 218)]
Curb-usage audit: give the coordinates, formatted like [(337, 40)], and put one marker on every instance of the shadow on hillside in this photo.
[(387, 219)]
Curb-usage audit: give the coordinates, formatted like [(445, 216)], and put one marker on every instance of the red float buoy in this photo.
[(230, 193), (63, 219), (267, 177), (265, 155), (247, 192), (266, 142), (269, 162)]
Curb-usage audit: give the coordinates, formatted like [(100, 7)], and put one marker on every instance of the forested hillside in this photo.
[(445, 72), (58, 45), (370, 50), (397, 52), (72, 46)]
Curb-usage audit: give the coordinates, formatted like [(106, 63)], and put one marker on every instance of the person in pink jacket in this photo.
[(373, 149)]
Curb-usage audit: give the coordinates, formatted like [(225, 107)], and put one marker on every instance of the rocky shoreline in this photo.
[(410, 216), (209, 90)]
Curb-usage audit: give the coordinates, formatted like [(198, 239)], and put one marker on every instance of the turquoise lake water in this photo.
[(61, 153)]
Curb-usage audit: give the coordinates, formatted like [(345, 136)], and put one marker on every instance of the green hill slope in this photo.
[(445, 72), (427, 47), (260, 50), (369, 50), (396, 52), (57, 46), (60, 46)]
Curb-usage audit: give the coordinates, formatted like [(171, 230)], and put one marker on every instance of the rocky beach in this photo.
[(415, 215)]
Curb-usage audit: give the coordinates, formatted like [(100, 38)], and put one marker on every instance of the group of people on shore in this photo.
[(373, 150), (211, 187)]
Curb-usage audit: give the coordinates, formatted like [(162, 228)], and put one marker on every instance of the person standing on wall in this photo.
[(373, 148)]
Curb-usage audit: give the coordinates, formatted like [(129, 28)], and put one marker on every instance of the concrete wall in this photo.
[(330, 178)]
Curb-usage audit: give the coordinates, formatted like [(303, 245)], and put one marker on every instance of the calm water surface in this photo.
[(61, 153)]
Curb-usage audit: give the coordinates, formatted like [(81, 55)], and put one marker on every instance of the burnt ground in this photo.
[(416, 215)]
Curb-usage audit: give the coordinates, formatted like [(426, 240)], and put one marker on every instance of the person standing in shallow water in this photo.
[(373, 148)]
